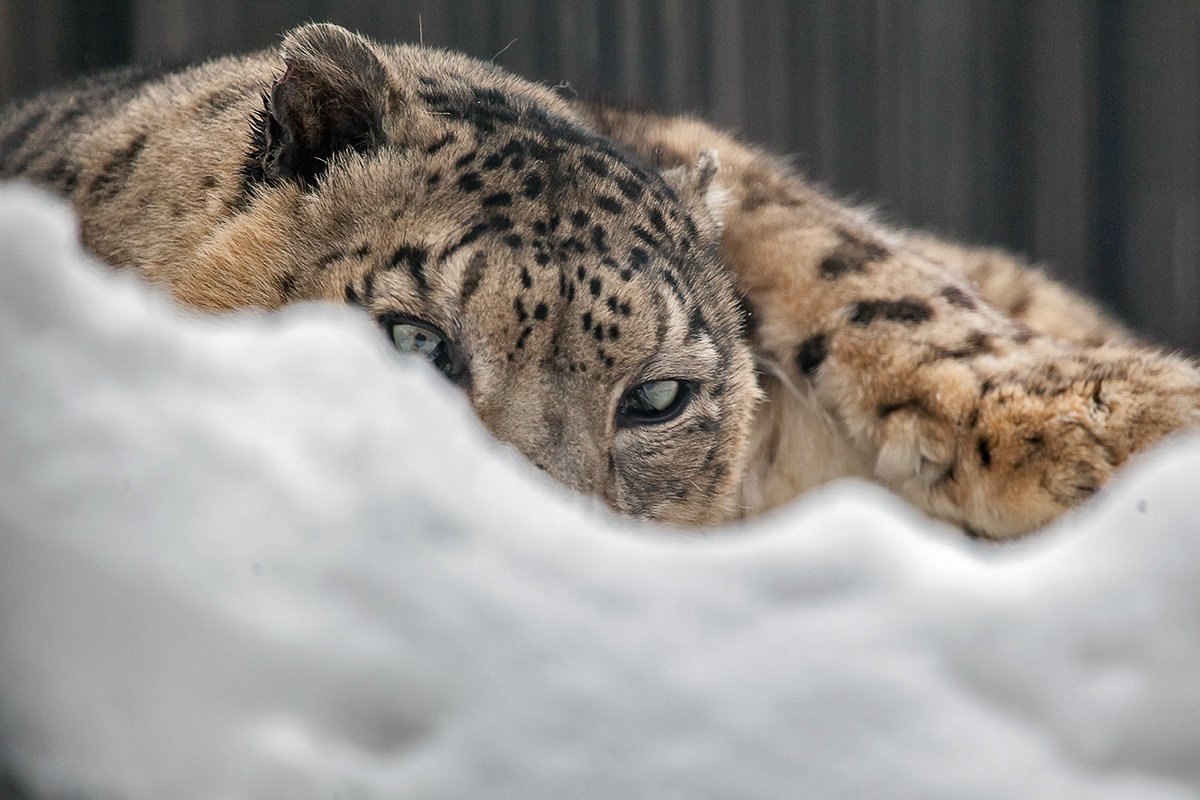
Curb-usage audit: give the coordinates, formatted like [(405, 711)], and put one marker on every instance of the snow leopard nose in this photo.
[(555, 438)]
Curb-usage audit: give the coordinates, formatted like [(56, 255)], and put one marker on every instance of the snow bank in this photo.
[(264, 557)]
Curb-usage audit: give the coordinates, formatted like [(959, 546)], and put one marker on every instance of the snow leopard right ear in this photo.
[(700, 191), (332, 97)]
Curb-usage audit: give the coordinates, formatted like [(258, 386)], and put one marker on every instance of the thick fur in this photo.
[(974, 386), (571, 254), (422, 184)]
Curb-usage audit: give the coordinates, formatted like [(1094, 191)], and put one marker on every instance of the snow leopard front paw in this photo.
[(1046, 437)]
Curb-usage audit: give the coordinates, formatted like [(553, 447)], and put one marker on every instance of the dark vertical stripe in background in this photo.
[(1067, 130)]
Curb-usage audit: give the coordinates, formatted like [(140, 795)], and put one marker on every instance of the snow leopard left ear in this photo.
[(332, 97), (700, 191)]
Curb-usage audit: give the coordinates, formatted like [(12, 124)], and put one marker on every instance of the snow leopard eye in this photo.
[(654, 401), (425, 340), (410, 338)]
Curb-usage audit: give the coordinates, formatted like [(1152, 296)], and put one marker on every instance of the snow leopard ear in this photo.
[(699, 190), (332, 97)]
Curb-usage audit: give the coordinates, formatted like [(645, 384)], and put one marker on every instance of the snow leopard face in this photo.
[(574, 295)]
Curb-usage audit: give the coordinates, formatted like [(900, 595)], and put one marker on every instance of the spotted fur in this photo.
[(971, 384), (421, 184), (573, 253)]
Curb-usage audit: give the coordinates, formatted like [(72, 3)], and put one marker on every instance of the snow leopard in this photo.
[(648, 309)]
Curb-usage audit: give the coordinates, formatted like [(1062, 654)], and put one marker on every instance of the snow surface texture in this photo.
[(263, 556)]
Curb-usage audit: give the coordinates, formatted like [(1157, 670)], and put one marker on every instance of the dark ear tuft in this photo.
[(331, 97)]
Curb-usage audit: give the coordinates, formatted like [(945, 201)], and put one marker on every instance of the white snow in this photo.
[(263, 556)]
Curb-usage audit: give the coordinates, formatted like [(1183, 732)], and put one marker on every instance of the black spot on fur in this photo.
[(472, 278), (16, 138), (580, 218), (1019, 306), (586, 321), (352, 296), (533, 185), (638, 258), (811, 352), (957, 297), (630, 188), (837, 264), (851, 255), (413, 259), (1084, 483), (594, 287), (477, 230), (690, 224), (209, 182), (912, 404), (669, 277), (286, 284), (116, 171), (433, 179), (497, 199), (598, 239), (63, 174), (465, 159), (220, 101), (645, 236), (696, 324), (977, 343), (330, 258), (609, 204), (439, 144), (540, 311), (489, 96), (470, 182), (985, 451), (656, 219), (595, 165), (526, 281), (519, 307), (908, 310), (514, 241)]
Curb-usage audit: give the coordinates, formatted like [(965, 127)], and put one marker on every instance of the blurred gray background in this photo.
[(1065, 130)]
